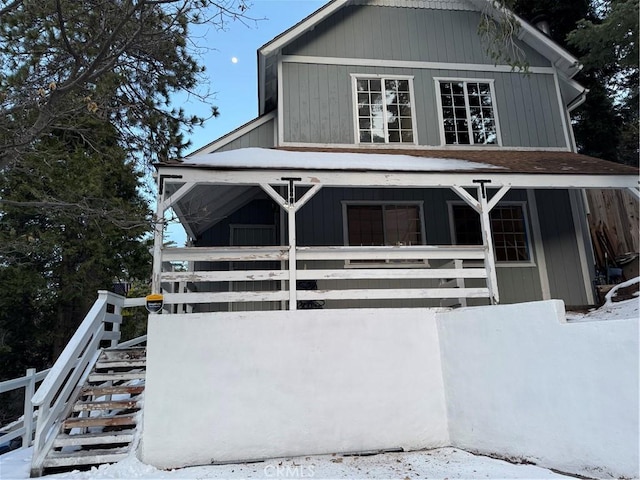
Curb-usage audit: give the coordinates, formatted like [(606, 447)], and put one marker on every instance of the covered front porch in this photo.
[(262, 265)]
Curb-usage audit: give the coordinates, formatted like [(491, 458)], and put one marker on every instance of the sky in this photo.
[(230, 58), (231, 64)]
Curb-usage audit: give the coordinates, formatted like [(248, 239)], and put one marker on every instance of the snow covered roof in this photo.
[(487, 160), (265, 158)]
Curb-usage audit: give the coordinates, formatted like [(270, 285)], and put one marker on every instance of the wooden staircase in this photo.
[(101, 427)]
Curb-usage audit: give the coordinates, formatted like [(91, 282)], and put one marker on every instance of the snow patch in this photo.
[(273, 159)]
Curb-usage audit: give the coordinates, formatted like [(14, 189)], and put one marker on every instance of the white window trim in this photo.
[(354, 96), (527, 230), (491, 83), (386, 264)]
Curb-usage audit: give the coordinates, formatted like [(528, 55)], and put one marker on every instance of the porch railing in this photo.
[(54, 399), (22, 429), (211, 275)]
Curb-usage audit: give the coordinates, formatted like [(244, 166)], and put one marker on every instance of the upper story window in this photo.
[(384, 111), (467, 112), (508, 225)]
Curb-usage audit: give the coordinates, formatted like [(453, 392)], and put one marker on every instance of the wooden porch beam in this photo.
[(468, 199), (307, 196), (274, 195), (177, 195), (498, 196)]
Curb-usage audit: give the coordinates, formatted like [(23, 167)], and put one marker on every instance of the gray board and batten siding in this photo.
[(318, 104), (399, 33), (259, 137), (320, 223)]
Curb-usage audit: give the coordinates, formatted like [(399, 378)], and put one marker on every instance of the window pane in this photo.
[(402, 225), (365, 136), (463, 138), (472, 106), (364, 223), (466, 224), (384, 225), (407, 136), (375, 85)]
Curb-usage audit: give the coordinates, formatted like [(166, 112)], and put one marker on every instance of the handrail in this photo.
[(22, 428), (54, 399)]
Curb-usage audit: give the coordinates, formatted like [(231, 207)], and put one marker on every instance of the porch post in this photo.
[(158, 238), (487, 240), (293, 294), (291, 206)]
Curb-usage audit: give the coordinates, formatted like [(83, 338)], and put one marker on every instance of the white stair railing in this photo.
[(54, 399), (22, 428)]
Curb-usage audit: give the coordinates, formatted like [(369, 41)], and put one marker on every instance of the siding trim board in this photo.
[(582, 254), (368, 62), (404, 146), (562, 107), (538, 246), (280, 127)]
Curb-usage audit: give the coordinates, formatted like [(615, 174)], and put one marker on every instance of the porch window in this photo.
[(384, 113), (508, 225), (385, 224), (467, 111)]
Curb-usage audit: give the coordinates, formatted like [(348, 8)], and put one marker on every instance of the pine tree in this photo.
[(70, 226)]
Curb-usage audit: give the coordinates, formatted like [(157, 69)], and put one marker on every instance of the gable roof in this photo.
[(567, 64)]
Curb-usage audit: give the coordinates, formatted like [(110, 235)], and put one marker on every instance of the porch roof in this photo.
[(242, 175), (486, 160)]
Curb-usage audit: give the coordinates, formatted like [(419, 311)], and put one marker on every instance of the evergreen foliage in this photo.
[(70, 227), (85, 106), (603, 34)]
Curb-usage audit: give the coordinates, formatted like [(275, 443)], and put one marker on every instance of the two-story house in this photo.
[(385, 124), (392, 165), (392, 168)]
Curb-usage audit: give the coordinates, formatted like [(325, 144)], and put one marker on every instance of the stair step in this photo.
[(118, 420), (85, 457), (136, 363), (110, 405), (101, 438), (123, 354), (116, 376), (114, 390)]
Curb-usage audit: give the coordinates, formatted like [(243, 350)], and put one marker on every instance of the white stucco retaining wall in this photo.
[(241, 386), (521, 382)]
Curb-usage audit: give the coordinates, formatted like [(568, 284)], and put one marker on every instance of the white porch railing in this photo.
[(54, 399), (210, 276), (23, 428)]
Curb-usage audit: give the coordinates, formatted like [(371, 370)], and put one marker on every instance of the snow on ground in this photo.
[(442, 463), (612, 310)]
